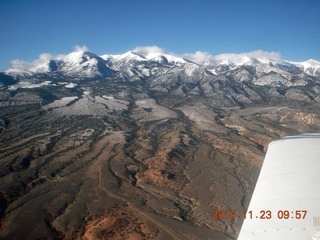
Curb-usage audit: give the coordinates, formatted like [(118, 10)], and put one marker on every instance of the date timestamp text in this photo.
[(263, 214)]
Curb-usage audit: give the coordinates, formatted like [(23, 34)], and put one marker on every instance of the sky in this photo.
[(31, 28)]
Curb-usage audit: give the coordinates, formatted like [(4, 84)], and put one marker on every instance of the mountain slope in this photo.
[(79, 64)]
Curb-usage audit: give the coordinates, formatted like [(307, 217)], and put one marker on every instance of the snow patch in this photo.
[(59, 103), (112, 103), (24, 84), (203, 117), (149, 110), (71, 85)]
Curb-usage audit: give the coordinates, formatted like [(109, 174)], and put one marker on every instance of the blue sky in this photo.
[(30, 28)]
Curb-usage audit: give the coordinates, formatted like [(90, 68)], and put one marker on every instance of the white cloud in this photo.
[(204, 57), (259, 54), (78, 48), (44, 58), (198, 57), (20, 65), (148, 50)]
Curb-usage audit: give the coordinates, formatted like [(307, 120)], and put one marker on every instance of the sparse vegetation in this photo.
[(118, 157)]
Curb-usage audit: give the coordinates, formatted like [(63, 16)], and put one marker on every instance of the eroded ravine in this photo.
[(135, 169)]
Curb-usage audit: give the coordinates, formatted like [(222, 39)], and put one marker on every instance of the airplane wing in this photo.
[(285, 204)]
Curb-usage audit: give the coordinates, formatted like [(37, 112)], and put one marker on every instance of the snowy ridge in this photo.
[(141, 55), (148, 61), (227, 80), (82, 64), (157, 54), (311, 67)]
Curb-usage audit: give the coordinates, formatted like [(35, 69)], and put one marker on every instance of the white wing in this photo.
[(286, 200)]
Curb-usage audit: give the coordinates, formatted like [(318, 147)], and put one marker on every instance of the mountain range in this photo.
[(227, 79), (145, 144), (87, 65)]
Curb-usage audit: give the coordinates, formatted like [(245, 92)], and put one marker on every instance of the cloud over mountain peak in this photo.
[(78, 48)]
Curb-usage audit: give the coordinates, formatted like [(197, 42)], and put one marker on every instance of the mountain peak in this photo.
[(157, 54), (79, 56), (311, 67), (247, 58), (131, 55), (312, 62), (84, 63)]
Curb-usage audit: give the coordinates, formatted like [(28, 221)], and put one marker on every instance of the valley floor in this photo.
[(100, 167)]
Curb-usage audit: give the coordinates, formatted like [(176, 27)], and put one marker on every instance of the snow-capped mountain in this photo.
[(147, 61), (143, 62), (227, 79), (311, 67), (83, 64), (78, 64)]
